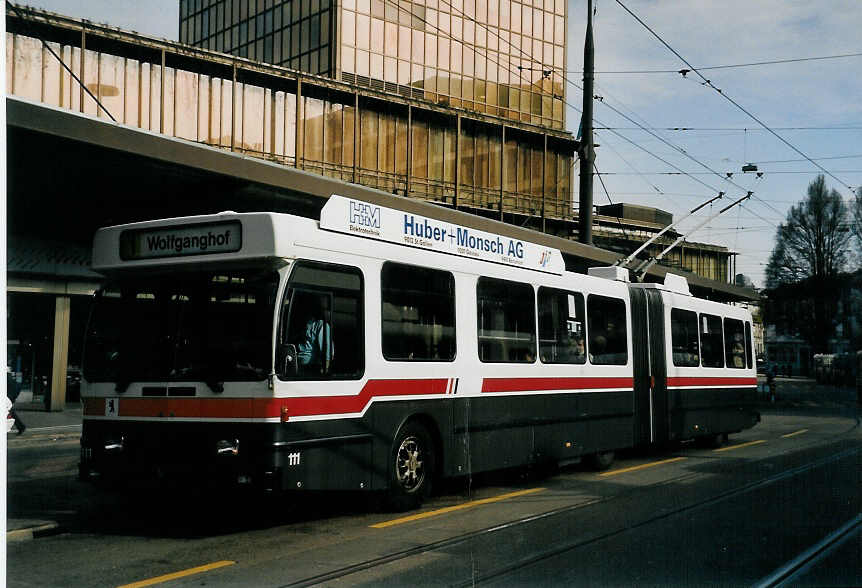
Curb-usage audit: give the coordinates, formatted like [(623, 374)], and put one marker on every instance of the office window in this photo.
[(418, 313)]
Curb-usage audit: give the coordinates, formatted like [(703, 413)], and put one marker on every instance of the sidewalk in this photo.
[(803, 392), (41, 425), (43, 422)]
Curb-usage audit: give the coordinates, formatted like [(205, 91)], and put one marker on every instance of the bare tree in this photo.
[(813, 241), (811, 250), (857, 217)]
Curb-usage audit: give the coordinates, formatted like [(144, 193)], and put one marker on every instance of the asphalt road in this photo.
[(748, 513)]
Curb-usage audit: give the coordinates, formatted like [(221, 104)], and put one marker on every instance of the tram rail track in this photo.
[(784, 575), (557, 550)]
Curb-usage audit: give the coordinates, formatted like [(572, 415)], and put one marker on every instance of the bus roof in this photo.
[(238, 237)]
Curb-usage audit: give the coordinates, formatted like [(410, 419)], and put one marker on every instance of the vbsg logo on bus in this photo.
[(181, 241)]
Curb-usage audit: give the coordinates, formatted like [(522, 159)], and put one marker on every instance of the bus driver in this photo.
[(316, 349)]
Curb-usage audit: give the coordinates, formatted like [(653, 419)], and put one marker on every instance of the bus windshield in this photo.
[(210, 327)]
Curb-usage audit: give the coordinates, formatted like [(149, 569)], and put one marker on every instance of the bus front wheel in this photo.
[(411, 467)]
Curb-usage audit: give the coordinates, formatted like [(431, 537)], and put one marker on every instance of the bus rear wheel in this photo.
[(601, 461), (411, 467), (713, 441)]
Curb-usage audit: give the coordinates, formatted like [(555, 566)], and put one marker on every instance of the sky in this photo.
[(813, 106)]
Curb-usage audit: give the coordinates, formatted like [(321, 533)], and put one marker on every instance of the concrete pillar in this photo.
[(62, 313)]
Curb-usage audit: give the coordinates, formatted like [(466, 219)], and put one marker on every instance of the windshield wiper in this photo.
[(215, 376), (123, 383), (204, 372)]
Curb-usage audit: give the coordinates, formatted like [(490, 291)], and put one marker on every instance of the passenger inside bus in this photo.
[(737, 352), (316, 349), (576, 349)]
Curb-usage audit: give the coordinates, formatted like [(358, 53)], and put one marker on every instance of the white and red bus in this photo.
[(381, 350)]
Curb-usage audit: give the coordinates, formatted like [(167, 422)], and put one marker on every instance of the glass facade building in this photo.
[(501, 57), (455, 101)]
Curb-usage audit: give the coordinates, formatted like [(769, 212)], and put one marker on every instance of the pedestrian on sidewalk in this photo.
[(12, 391), (770, 381)]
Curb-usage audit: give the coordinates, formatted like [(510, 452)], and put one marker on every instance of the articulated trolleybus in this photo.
[(381, 350)]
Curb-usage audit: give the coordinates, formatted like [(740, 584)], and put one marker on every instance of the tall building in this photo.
[(455, 101), (484, 128), (500, 57)]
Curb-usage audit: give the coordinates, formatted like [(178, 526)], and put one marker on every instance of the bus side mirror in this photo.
[(289, 360)]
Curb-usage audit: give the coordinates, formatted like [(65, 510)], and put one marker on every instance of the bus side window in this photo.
[(684, 343), (734, 341), (749, 356), (711, 347), (606, 325), (561, 326), (418, 310), (322, 320), (506, 320)]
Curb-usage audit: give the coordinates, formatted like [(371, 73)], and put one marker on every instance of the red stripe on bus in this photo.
[(693, 381), (238, 408), (325, 405), (542, 384)]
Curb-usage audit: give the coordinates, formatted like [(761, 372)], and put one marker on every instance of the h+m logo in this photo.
[(364, 214)]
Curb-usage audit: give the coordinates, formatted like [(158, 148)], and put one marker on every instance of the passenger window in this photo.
[(734, 341), (418, 313), (506, 317), (606, 325), (749, 356), (711, 352), (322, 319), (684, 340), (561, 326)]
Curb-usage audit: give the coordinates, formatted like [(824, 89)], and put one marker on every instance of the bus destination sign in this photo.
[(181, 240), (360, 218)]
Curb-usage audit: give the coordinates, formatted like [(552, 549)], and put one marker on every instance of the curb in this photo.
[(30, 533), (13, 440)]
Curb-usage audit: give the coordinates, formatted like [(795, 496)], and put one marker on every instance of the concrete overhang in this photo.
[(195, 179)]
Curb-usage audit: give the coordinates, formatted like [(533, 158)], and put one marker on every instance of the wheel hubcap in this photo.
[(410, 464)]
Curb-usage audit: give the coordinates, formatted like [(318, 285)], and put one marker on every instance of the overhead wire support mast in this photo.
[(586, 150), (630, 258), (641, 270)]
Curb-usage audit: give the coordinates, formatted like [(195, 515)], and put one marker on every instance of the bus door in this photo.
[(650, 370)]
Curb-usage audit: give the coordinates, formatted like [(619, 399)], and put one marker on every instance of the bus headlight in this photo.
[(115, 445), (229, 447)]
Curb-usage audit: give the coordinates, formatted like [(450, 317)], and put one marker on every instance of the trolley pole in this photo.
[(586, 153)]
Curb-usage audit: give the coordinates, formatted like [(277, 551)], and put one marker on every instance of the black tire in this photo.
[(710, 441), (411, 467), (601, 461)]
